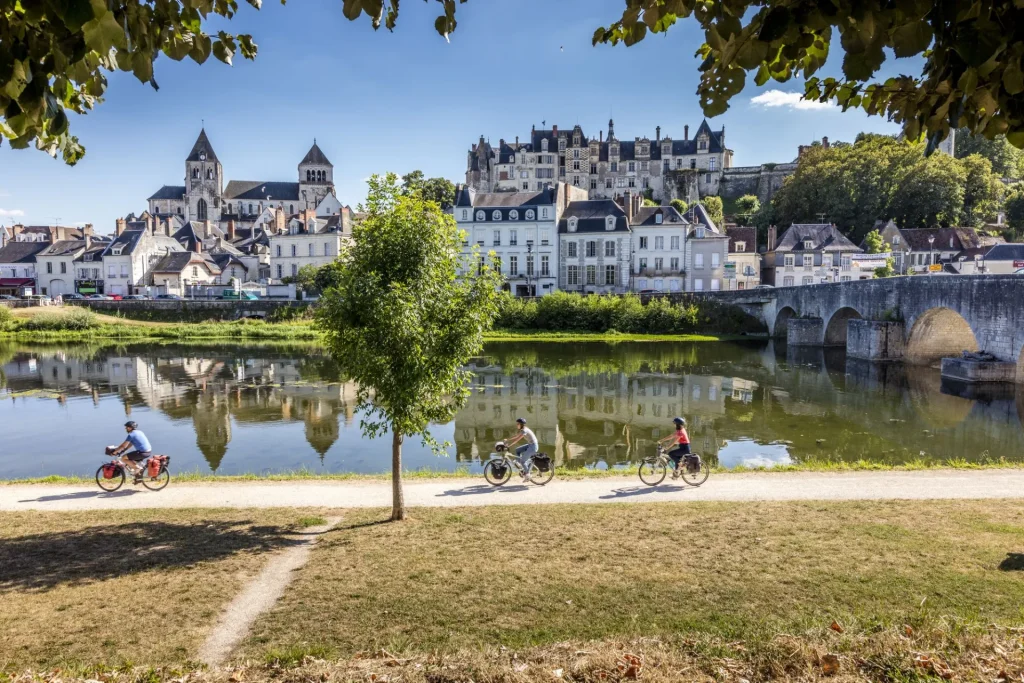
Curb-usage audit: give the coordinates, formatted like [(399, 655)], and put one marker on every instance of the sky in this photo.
[(380, 101)]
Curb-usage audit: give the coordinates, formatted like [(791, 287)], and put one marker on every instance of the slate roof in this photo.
[(202, 145), (225, 259), (177, 261), (697, 214), (21, 252), (468, 197), (93, 254), (590, 215), (169, 192), (742, 234), (187, 236), (315, 156), (671, 218), (917, 239), (823, 237), (128, 240), (63, 248), (261, 190), (1010, 251)]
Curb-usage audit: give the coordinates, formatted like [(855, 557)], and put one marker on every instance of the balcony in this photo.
[(658, 272)]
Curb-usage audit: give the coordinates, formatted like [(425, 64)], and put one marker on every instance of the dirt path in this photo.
[(931, 484), (259, 596)]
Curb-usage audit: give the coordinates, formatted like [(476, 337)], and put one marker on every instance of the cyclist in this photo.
[(682, 443), (137, 440), (527, 450)]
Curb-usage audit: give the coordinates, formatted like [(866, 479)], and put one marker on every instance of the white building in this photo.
[(309, 241), (18, 267), (594, 247), (128, 260), (56, 266), (659, 248), (176, 272)]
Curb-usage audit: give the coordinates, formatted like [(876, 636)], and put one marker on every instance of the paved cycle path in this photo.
[(933, 484)]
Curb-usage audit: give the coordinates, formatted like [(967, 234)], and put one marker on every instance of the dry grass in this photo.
[(132, 586), (451, 580)]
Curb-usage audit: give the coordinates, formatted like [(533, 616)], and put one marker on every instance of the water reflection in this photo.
[(251, 409)]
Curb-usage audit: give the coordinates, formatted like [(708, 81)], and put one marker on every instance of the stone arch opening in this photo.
[(938, 332), (835, 332), (781, 321)]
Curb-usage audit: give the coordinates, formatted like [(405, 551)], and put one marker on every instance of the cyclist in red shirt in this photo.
[(681, 440)]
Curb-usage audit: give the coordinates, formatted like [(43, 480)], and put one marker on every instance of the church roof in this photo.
[(261, 189), (170, 192), (202, 145), (315, 156)]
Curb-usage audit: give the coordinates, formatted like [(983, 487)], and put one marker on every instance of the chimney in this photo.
[(207, 229), (279, 220), (87, 230), (533, 129), (231, 229), (627, 205), (824, 142), (88, 239), (657, 133), (554, 132), (53, 234), (600, 136), (168, 229), (517, 142), (771, 238), (122, 225), (686, 132), (199, 246), (149, 225)]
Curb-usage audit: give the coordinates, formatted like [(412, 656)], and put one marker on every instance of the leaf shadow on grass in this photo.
[(1014, 562), (44, 561), (630, 491)]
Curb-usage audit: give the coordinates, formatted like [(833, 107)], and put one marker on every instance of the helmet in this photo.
[(680, 421), (131, 423), (520, 420)]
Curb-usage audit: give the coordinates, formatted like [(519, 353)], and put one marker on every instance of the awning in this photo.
[(17, 282)]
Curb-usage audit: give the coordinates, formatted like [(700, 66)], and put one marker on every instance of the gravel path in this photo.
[(930, 484)]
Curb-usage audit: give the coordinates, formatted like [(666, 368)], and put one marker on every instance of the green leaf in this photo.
[(1013, 78), (58, 124), (142, 66), (201, 48), (1016, 138), (911, 39), (352, 9), (222, 52), (103, 33), (775, 24), (762, 75)]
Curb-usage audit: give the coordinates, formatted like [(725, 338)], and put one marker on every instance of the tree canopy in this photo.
[(713, 205), (873, 242), (438, 190), (748, 205), (402, 320), (54, 56), (1007, 161)]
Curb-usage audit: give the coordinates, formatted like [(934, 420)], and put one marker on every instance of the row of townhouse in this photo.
[(558, 239)]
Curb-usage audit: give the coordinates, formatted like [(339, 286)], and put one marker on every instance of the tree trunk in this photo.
[(398, 499)]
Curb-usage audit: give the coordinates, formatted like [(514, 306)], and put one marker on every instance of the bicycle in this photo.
[(498, 470), (155, 475), (693, 469)]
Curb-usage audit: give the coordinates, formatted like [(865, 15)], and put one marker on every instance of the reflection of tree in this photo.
[(321, 424), (212, 422)]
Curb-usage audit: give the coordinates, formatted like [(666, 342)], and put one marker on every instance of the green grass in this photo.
[(548, 336)]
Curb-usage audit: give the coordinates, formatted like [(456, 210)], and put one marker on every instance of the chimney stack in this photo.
[(627, 205), (149, 225), (554, 132), (199, 246), (657, 133), (279, 220), (122, 225), (686, 132), (88, 239), (771, 238), (517, 142), (231, 229), (207, 229), (824, 142), (600, 136), (87, 230)]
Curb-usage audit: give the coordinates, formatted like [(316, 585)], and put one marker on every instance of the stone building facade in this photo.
[(662, 167)]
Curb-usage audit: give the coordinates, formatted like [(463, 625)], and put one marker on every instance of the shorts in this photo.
[(138, 456), (678, 452)]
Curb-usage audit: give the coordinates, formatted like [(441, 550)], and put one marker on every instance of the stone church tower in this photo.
[(204, 181), (316, 177)]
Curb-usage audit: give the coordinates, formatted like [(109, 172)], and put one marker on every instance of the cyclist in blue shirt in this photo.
[(137, 440)]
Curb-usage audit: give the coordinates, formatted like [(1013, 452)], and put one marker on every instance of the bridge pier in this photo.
[(805, 332), (875, 340)]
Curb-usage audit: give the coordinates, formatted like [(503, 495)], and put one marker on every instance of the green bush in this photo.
[(5, 317), (60, 321)]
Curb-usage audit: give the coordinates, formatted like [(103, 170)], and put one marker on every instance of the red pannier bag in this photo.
[(109, 471), (154, 465)]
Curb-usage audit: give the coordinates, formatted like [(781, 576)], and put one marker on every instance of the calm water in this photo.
[(237, 409)]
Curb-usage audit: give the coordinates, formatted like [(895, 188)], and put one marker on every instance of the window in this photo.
[(788, 261), (698, 261), (576, 180), (707, 178), (711, 164), (112, 271), (702, 143), (575, 165), (698, 286), (657, 219), (631, 182), (631, 166), (543, 213), (609, 275), (496, 215), (279, 271), (787, 281), (895, 240), (544, 145), (561, 144), (643, 264), (674, 263), (571, 249), (250, 209), (573, 221), (279, 251), (808, 280), (591, 249), (544, 238), (573, 275), (693, 164), (513, 237), (530, 214), (593, 183), (716, 260), (49, 267), (513, 265), (845, 278), (659, 243), (659, 263), (808, 261), (808, 244), (295, 269), (529, 265), (465, 214), (310, 248), (643, 242), (615, 167), (716, 284), (513, 215), (545, 265), (609, 248), (845, 262), (480, 216), (124, 270), (643, 165), (201, 209), (544, 173), (195, 271), (591, 275), (674, 242), (295, 251), (524, 174), (497, 238), (608, 183), (666, 165), (739, 246), (826, 260)]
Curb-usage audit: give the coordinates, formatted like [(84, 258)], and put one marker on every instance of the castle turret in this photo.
[(316, 177)]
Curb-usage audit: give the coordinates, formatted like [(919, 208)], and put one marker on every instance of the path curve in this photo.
[(930, 484)]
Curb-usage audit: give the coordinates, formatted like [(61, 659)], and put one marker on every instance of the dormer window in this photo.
[(808, 244), (513, 215), (573, 221), (496, 215), (529, 214), (561, 144), (740, 246), (666, 150), (658, 218), (700, 232), (465, 214), (895, 240), (544, 145), (512, 159), (609, 223), (480, 216), (702, 143), (575, 140)]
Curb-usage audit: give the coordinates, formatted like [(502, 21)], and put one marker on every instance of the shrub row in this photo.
[(60, 321), (565, 312)]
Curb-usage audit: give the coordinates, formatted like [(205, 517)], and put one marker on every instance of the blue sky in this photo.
[(396, 101)]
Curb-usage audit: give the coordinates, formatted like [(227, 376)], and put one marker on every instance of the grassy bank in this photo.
[(561, 473)]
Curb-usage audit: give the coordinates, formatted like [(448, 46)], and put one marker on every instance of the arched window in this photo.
[(229, 207), (209, 174), (250, 208), (544, 145), (291, 208), (309, 175), (195, 172), (530, 214), (201, 209), (609, 223), (572, 224), (480, 216), (496, 215), (513, 215)]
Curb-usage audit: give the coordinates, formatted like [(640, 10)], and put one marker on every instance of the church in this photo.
[(206, 197)]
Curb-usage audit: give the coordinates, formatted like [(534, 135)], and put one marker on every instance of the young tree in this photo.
[(713, 205), (888, 270), (439, 190), (403, 320), (650, 202), (680, 205), (748, 205), (1014, 208), (874, 243)]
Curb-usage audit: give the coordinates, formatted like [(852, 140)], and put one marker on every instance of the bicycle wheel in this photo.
[(697, 475), (538, 477), (652, 471), (493, 467), (112, 484), (159, 481)]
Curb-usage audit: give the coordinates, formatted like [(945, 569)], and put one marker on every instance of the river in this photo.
[(239, 409)]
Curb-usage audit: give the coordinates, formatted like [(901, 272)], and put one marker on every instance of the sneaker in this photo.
[(675, 473)]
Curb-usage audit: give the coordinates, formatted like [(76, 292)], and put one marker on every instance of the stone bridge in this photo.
[(919, 319)]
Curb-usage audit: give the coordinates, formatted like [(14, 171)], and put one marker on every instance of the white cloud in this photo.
[(791, 100), (11, 213)]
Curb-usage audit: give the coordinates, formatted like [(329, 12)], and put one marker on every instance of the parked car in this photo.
[(98, 297), (168, 297), (651, 291), (232, 295), (40, 299), (8, 297), (764, 287), (73, 297), (115, 297), (135, 297)]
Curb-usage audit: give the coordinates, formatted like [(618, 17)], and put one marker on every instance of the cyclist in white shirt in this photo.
[(528, 449)]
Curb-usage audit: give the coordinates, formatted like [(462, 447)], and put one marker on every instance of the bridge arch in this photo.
[(835, 331), (936, 333), (781, 320)]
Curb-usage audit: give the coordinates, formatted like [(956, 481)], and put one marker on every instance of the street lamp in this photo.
[(931, 255)]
